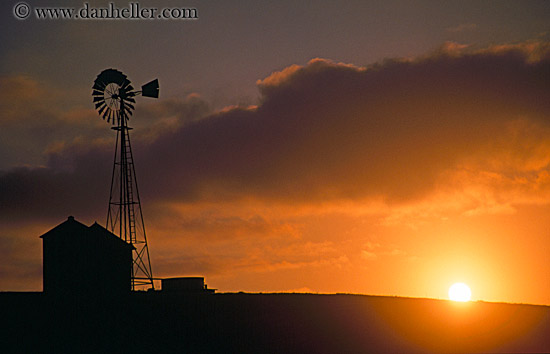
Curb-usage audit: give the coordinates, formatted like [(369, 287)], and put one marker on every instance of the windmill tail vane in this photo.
[(114, 99)]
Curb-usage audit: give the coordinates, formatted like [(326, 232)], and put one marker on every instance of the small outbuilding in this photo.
[(185, 285), (85, 260)]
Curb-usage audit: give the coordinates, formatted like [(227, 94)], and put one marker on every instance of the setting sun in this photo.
[(460, 292)]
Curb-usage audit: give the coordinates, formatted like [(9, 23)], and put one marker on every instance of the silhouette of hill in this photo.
[(157, 322)]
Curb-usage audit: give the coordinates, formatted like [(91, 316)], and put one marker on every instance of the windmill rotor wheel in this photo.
[(111, 87)]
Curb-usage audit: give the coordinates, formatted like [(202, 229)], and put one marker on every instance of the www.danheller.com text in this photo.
[(133, 11)]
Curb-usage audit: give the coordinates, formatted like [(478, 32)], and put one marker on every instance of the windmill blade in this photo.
[(129, 91), (129, 105), (127, 86), (97, 93), (120, 78), (106, 113), (101, 109), (97, 105), (113, 75), (99, 98), (130, 99), (99, 85)]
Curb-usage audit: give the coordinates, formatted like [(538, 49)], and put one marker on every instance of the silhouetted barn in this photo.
[(85, 260)]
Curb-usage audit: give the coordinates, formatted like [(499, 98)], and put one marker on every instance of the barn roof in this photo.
[(69, 226), (72, 227)]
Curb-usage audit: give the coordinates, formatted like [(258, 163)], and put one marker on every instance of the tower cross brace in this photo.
[(124, 215)]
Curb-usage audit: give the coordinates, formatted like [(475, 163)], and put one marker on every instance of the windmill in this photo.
[(113, 95)]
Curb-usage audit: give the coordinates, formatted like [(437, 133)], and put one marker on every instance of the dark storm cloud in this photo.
[(47, 193), (330, 130), (76, 176), (323, 131)]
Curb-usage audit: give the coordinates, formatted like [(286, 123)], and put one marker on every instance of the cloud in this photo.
[(375, 251), (160, 117), (328, 131), (20, 261), (76, 148), (395, 131), (17, 93), (368, 255), (44, 194), (252, 253), (36, 119)]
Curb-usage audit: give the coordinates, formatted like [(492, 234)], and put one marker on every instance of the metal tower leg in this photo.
[(125, 213)]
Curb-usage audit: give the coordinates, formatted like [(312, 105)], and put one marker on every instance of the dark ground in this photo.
[(267, 323)]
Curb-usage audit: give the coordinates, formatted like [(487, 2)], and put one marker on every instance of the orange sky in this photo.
[(397, 177)]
